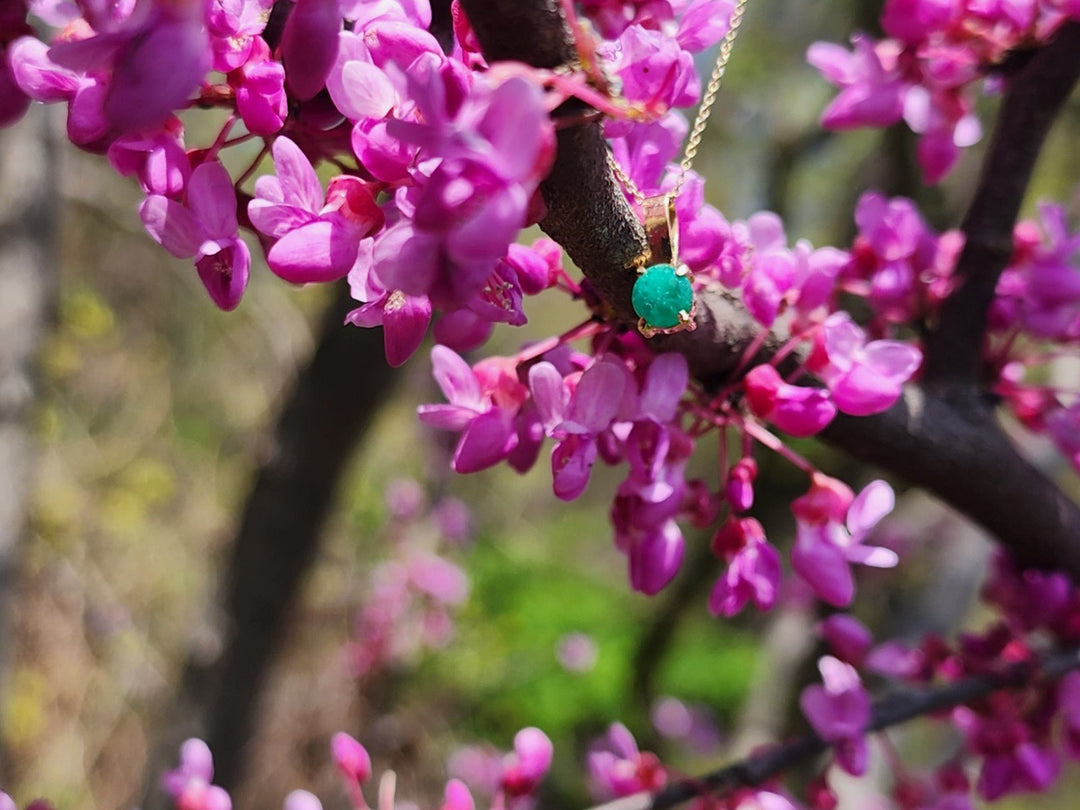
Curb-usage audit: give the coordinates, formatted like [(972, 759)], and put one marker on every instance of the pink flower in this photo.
[(524, 769), (619, 769), (839, 711), (42, 79), (234, 27), (576, 652), (739, 488), (404, 319), (825, 545), (301, 800), (753, 571), (157, 159), (576, 419), (189, 784), (259, 84), (316, 238), (309, 45), (204, 227), (864, 377), (457, 797), (155, 59), (487, 428), (798, 410), (351, 758), (654, 69), (870, 79), (847, 637)]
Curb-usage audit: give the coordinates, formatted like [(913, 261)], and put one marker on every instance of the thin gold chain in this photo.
[(693, 143)]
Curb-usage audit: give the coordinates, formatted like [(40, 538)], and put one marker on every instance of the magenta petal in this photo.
[(445, 417), (225, 274), (367, 93), (157, 73), (171, 225), (367, 316), (405, 322), (301, 800), (549, 393), (936, 154), (36, 74), (485, 442), (86, 124), (598, 395), (13, 101), (299, 184), (876, 500), (456, 378), (802, 412), (897, 360), (571, 464), (196, 759), (534, 752), (212, 198), (852, 755), (824, 566), (655, 558), (861, 391), (275, 219), (216, 798), (456, 796), (317, 252), (665, 382), (834, 61), (309, 45)]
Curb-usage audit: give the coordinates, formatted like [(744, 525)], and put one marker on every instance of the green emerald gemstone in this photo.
[(660, 293)]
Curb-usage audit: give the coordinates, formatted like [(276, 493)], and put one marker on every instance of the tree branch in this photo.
[(942, 438), (891, 710), (1034, 96)]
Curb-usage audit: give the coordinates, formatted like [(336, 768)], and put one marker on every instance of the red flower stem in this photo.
[(764, 437)]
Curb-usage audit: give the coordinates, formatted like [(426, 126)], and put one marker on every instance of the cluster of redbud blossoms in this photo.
[(439, 158)]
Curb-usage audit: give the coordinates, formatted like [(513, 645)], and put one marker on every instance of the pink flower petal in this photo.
[(171, 225), (299, 184), (212, 198), (316, 252)]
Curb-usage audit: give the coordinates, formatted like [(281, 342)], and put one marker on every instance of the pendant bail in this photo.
[(661, 229)]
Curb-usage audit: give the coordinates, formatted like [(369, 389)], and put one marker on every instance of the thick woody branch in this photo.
[(943, 437), (888, 711), (1035, 94)]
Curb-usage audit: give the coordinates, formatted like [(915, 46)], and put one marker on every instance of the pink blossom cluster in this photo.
[(1035, 323), (1015, 738), (413, 594), (519, 777), (924, 70), (439, 155)]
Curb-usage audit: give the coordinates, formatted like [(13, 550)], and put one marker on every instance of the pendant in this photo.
[(663, 295)]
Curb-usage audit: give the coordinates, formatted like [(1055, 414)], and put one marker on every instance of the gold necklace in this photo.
[(663, 295)]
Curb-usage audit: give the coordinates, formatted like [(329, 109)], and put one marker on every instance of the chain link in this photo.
[(693, 143)]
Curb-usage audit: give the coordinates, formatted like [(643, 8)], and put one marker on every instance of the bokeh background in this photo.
[(146, 415)]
